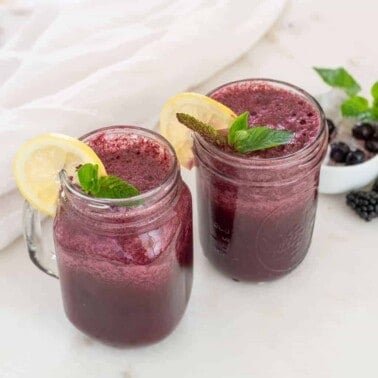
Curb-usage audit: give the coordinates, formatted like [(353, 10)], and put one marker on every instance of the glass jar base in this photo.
[(124, 340), (239, 274)]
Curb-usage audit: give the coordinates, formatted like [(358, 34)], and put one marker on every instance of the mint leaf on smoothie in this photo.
[(104, 186), (114, 187), (240, 123), (244, 139), (88, 178), (260, 138), (240, 137), (339, 78)]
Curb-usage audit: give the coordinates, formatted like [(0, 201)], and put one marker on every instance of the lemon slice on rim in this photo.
[(198, 106), (38, 162)]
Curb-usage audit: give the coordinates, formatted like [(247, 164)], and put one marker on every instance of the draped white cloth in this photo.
[(75, 66)]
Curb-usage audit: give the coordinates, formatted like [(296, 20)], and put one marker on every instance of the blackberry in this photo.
[(339, 152), (355, 157), (331, 128), (365, 204), (372, 146), (363, 130), (375, 135)]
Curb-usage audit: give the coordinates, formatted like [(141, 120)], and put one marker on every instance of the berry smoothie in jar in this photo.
[(257, 210), (125, 265)]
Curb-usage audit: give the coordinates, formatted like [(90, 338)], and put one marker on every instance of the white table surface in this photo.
[(319, 321)]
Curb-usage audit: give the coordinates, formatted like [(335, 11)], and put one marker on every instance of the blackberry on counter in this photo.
[(365, 204)]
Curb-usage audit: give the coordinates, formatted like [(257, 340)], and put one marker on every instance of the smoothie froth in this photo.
[(274, 107)]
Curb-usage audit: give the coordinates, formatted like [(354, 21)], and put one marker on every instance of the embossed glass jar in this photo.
[(256, 216)]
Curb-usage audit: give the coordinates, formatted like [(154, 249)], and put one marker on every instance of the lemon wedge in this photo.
[(38, 162), (203, 108)]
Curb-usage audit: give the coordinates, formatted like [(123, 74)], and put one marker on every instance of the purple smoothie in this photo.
[(276, 108), (257, 211), (126, 271)]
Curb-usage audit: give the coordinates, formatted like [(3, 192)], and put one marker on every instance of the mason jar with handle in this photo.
[(125, 265)]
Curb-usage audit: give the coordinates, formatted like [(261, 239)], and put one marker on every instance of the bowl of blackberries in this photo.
[(351, 164), (352, 157)]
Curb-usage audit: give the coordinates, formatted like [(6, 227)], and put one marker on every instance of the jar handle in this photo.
[(42, 255)]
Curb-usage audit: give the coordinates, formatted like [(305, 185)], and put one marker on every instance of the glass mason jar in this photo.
[(125, 265), (257, 214)]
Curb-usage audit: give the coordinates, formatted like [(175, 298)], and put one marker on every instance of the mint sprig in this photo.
[(245, 139), (104, 186), (355, 106), (240, 137), (339, 78)]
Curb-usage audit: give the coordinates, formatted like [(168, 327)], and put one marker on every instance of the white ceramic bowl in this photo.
[(341, 179)]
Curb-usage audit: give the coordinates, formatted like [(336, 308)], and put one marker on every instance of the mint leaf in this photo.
[(339, 78), (114, 187), (370, 114), (240, 123), (374, 90), (374, 93), (354, 106), (240, 137), (260, 138), (105, 186), (373, 114), (88, 177), (205, 130)]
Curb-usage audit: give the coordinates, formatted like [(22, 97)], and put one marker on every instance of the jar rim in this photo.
[(168, 182), (247, 160)]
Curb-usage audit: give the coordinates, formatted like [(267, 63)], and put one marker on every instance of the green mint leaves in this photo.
[(261, 138), (355, 106), (88, 178), (240, 123), (374, 90), (245, 139), (240, 137), (105, 186), (339, 78), (374, 93), (205, 130)]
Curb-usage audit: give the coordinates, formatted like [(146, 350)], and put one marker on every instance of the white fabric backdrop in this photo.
[(79, 65)]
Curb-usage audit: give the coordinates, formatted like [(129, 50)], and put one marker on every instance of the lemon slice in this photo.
[(38, 162), (198, 106)]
